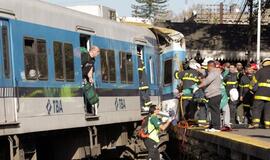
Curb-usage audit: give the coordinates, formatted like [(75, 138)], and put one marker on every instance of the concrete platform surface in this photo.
[(260, 134)]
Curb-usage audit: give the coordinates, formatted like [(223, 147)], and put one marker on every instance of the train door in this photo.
[(143, 81), (170, 62), (8, 112)]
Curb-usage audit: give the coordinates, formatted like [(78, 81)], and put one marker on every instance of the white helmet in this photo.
[(198, 66), (193, 64), (206, 60), (234, 95)]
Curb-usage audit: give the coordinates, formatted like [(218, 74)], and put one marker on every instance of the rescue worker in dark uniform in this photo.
[(261, 85), (246, 97), (188, 79), (143, 83), (231, 82)]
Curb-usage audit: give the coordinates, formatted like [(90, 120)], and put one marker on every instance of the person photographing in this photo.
[(154, 126)]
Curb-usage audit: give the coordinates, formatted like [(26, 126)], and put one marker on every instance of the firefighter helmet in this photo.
[(266, 62)]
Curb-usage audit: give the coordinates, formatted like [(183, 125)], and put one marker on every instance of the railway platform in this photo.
[(240, 144)]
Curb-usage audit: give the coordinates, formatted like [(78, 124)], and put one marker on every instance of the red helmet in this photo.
[(254, 66)]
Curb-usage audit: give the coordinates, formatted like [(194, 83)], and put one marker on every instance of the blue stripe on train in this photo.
[(21, 29)]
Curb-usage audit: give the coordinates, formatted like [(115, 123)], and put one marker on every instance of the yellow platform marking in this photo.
[(241, 139)]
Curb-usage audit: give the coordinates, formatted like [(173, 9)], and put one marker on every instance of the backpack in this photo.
[(143, 130)]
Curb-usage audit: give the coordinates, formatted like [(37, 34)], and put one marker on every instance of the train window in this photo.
[(151, 64), (42, 60), (108, 71), (85, 41), (69, 57), (30, 59), (35, 59), (6, 51), (58, 61), (167, 72), (126, 67)]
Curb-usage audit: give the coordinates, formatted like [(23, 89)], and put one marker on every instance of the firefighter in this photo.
[(231, 84), (261, 86), (246, 97), (143, 87), (188, 78)]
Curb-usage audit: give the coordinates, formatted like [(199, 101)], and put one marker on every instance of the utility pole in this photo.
[(259, 33), (251, 27), (221, 12)]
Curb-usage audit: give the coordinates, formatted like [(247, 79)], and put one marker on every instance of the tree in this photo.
[(150, 9)]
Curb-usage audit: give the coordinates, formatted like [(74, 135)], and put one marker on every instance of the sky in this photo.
[(123, 6)]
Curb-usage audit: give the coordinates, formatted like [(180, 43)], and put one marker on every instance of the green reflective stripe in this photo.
[(244, 86), (224, 83), (141, 69), (256, 120), (204, 67), (262, 98), (186, 97), (205, 100), (246, 105), (191, 79), (202, 121), (254, 79), (267, 123), (264, 85), (148, 103), (231, 82), (143, 88), (176, 75)]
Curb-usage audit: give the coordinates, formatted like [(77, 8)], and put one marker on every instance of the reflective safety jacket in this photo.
[(262, 80), (230, 82), (188, 78), (244, 85), (153, 128)]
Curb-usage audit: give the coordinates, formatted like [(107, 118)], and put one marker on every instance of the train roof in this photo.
[(44, 13)]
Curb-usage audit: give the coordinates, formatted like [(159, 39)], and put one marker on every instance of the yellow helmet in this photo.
[(266, 62)]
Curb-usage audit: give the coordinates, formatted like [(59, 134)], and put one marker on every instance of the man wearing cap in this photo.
[(261, 86), (188, 78), (246, 97)]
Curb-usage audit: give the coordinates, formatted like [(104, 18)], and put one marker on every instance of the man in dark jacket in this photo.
[(231, 82), (88, 69), (189, 78), (246, 97)]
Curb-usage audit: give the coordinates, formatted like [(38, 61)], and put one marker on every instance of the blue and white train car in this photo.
[(171, 60), (42, 113)]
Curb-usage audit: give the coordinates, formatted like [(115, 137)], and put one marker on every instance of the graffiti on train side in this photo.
[(54, 106), (120, 104)]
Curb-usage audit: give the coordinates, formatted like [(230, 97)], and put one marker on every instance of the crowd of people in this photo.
[(225, 96)]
